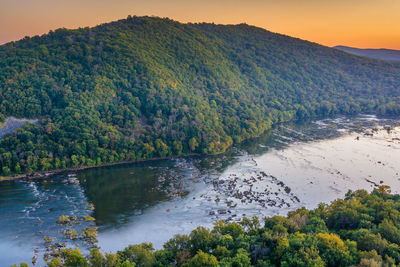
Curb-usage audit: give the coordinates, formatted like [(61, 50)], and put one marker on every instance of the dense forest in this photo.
[(363, 229), (147, 87)]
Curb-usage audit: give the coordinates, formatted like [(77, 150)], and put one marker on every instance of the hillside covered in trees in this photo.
[(361, 230), (147, 87)]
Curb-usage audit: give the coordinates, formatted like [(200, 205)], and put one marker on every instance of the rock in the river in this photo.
[(222, 211)]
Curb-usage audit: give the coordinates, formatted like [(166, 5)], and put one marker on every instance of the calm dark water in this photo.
[(127, 198)]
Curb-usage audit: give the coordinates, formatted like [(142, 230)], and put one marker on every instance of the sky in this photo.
[(357, 23)]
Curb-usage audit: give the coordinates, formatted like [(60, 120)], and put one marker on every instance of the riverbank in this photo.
[(43, 174)]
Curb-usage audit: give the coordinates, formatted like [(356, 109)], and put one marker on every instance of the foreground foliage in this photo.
[(148, 87), (363, 229)]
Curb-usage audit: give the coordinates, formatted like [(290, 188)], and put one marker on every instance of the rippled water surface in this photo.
[(293, 165)]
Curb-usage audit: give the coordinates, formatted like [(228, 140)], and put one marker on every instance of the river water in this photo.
[(292, 165)]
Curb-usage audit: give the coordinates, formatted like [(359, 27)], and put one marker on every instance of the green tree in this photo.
[(193, 144), (202, 259), (74, 258), (142, 255)]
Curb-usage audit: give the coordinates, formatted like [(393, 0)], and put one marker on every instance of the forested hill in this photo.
[(147, 87)]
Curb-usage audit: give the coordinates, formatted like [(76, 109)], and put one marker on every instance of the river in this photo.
[(291, 166)]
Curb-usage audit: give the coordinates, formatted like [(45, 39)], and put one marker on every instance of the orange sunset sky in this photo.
[(359, 23)]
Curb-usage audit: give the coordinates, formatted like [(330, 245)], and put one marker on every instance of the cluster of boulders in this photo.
[(172, 186), (173, 183), (249, 190), (235, 190)]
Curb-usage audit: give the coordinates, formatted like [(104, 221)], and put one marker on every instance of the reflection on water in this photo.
[(150, 201), (120, 192)]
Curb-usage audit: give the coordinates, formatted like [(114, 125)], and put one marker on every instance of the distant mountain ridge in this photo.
[(146, 87), (380, 54)]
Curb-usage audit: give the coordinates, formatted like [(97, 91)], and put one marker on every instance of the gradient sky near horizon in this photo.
[(358, 23)]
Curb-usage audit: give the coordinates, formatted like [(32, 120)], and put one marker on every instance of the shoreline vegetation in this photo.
[(362, 229), (43, 174)]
